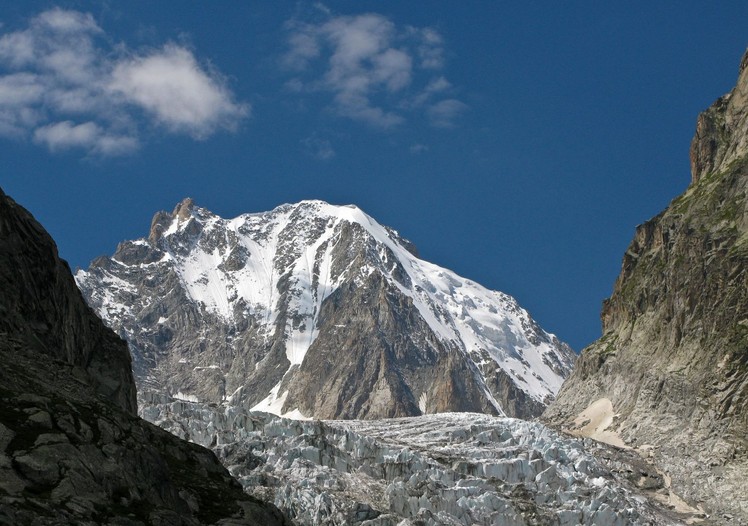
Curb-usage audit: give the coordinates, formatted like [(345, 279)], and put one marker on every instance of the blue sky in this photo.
[(518, 144)]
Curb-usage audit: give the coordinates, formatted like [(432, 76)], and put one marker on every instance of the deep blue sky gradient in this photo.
[(579, 120)]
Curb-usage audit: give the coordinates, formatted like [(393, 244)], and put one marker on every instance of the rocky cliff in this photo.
[(42, 309), (672, 364), (71, 449), (317, 310)]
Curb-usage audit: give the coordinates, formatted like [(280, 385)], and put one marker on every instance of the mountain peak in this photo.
[(318, 310), (183, 211), (319, 208)]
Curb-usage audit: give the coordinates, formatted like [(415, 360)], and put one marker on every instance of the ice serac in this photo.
[(673, 359), (317, 310), (72, 450), (446, 469)]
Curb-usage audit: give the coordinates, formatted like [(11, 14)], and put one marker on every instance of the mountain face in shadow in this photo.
[(71, 448)]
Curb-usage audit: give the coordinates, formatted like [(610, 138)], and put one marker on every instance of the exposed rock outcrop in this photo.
[(722, 130), (71, 449), (673, 358)]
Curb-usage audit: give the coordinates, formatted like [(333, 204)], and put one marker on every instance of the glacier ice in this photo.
[(451, 468)]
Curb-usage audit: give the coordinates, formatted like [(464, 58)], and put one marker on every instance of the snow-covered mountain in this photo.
[(319, 311)]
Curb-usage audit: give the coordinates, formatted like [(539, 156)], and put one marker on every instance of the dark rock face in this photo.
[(673, 358), (71, 449), (319, 310), (42, 309)]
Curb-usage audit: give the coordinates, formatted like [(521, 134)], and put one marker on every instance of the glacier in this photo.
[(444, 469)]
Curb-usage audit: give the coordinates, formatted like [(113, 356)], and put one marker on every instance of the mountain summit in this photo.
[(319, 311)]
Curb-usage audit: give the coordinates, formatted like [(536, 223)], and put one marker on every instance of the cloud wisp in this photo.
[(444, 113), (318, 147), (64, 86), (375, 72)]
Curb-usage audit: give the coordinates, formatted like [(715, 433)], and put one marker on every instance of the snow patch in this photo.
[(422, 401), (185, 397), (595, 421), (273, 404)]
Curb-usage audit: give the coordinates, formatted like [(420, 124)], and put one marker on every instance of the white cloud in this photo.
[(444, 113), (89, 135), (416, 149), (430, 48), (171, 86), (17, 48), (434, 88), (437, 85), (371, 68), (304, 47), (64, 135), (294, 85), (20, 89), (64, 86), (318, 147), (67, 21)]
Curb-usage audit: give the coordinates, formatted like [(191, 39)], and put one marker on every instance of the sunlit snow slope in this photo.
[(317, 310)]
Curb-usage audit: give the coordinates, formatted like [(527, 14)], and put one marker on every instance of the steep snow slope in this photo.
[(264, 308)]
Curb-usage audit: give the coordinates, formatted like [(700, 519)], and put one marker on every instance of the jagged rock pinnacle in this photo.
[(161, 220), (184, 209)]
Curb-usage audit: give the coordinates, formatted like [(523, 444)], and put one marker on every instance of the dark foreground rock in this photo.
[(71, 449), (42, 310)]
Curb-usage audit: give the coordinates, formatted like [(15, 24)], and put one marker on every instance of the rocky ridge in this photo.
[(314, 310), (72, 450), (673, 358), (445, 469)]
